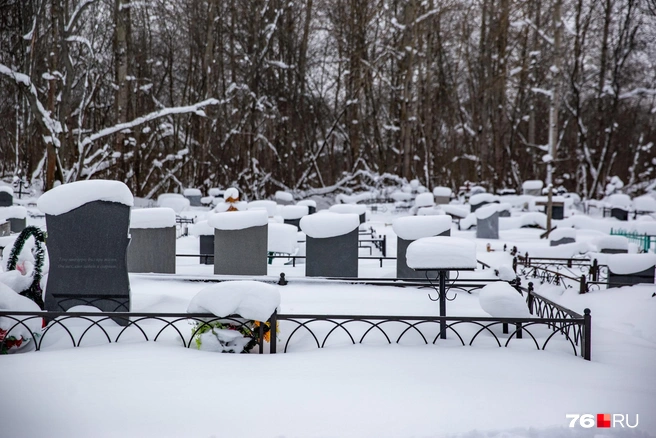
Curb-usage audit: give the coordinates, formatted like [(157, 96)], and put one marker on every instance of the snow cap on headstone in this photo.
[(231, 195), (152, 218), (238, 220), (328, 224), (416, 227), (67, 197), (441, 253)]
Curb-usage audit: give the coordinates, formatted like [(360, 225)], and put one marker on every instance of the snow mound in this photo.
[(173, 200), (468, 222), (348, 209), (231, 193), (67, 197), (612, 242), (441, 252), (215, 192), (455, 210), (13, 212), (10, 300), (502, 300), (619, 200), (152, 218), (533, 184), (284, 196), (7, 189), (294, 211), (399, 196), (329, 224), (424, 200), (269, 206), (238, 220), (644, 203), (562, 233), (534, 219), (249, 299), (192, 192), (416, 227), (629, 263), (482, 197), (429, 211), (486, 211), (442, 191), (505, 273), (201, 228)]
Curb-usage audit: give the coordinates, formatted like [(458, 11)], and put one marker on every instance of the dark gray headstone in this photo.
[(194, 201), (475, 207), (152, 250), (558, 212), (87, 248), (363, 218), (206, 247), (504, 213), (241, 252), (562, 241), (17, 224), (614, 251), (402, 268), (311, 209), (619, 280), (619, 213), (6, 199), (488, 228), (5, 229), (294, 222), (332, 256)]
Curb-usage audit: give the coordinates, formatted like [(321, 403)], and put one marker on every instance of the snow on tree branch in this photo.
[(196, 108), (52, 126)]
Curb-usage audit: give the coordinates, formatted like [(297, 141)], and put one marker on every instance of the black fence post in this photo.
[(587, 335), (273, 322), (583, 286), (594, 271), (384, 248), (515, 264), (531, 298), (519, 330)]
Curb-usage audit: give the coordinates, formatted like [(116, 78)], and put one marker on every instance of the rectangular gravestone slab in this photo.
[(332, 256), (619, 280), (488, 228), (241, 252), (619, 213), (5, 229), (614, 251), (402, 268), (206, 247), (152, 250), (6, 199), (194, 201), (475, 207), (17, 224), (558, 212), (563, 241), (87, 247)]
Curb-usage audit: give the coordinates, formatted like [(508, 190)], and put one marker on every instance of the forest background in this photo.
[(318, 96)]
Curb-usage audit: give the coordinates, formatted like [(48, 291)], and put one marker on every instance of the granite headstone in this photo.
[(6, 199), (332, 256), (87, 247), (152, 250), (402, 268), (241, 252), (206, 247), (488, 228)]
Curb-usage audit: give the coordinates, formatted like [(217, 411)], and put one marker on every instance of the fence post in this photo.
[(384, 248), (515, 264), (595, 270), (583, 287), (587, 335), (530, 297), (273, 339)]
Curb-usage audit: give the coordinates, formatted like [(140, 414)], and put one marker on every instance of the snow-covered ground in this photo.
[(149, 389)]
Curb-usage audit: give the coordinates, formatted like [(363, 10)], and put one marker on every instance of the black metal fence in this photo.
[(551, 325)]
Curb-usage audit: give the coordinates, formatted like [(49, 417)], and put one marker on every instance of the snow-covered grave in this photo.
[(562, 236), (284, 198), (487, 222), (442, 195), (410, 228), (292, 214), (6, 196), (645, 204), (359, 209), (619, 205), (310, 204), (481, 199), (424, 200), (558, 204), (88, 224), (269, 206), (205, 234), (240, 242), (628, 269), (282, 239), (612, 245), (152, 240), (240, 308), (532, 187), (175, 201), (331, 245), (194, 196), (16, 216)]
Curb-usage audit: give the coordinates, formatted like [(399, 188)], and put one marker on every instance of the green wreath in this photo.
[(34, 292), (249, 330)]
